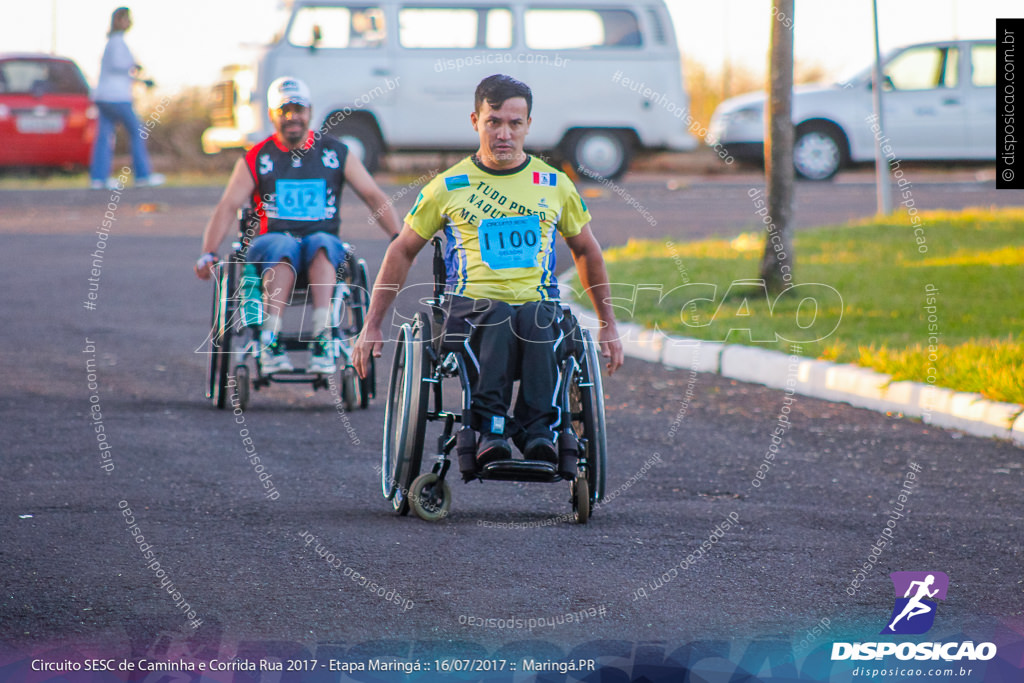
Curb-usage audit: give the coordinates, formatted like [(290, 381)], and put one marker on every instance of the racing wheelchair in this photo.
[(424, 359), (233, 345)]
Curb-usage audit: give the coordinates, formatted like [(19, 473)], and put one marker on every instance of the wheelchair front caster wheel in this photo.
[(430, 497), (351, 389), (581, 500), (241, 387)]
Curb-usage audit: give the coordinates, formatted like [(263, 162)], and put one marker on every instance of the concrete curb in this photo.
[(860, 387)]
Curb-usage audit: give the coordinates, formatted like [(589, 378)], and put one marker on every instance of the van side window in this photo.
[(338, 27), (983, 65), (545, 29), (455, 27), (499, 29)]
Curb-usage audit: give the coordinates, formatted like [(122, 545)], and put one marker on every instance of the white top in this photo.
[(115, 84)]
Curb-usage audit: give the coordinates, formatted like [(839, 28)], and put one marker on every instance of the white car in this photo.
[(938, 103)]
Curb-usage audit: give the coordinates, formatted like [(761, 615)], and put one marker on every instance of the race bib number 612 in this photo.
[(301, 200), (512, 242)]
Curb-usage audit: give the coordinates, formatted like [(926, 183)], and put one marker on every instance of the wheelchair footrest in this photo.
[(296, 376), (520, 470), (568, 454), (465, 441), (293, 343)]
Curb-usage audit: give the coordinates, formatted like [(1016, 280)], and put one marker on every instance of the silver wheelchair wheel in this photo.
[(592, 406), (219, 347), (361, 298), (405, 416), (348, 313)]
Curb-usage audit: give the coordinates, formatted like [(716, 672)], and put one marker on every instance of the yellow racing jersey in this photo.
[(499, 227)]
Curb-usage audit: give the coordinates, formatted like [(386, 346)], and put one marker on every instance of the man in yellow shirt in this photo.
[(499, 210)]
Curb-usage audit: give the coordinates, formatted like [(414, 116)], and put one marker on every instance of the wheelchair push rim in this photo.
[(592, 403), (223, 314), (211, 345), (405, 417), (349, 305), (361, 295)]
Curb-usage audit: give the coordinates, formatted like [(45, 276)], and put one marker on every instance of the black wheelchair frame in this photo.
[(422, 361), (235, 345)]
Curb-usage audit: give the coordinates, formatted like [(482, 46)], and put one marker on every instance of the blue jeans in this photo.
[(112, 113), (272, 248)]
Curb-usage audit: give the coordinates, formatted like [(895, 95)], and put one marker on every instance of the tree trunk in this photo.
[(777, 262)]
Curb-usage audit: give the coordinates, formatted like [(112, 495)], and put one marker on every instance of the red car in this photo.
[(46, 117)]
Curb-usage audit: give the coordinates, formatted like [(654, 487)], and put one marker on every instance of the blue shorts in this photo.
[(272, 248)]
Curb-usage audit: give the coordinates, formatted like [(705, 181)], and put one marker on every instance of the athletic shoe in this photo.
[(541, 448), (152, 180), (322, 359), (273, 357), (108, 184), (492, 448)]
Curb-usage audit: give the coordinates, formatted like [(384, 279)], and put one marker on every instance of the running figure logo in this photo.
[(914, 612)]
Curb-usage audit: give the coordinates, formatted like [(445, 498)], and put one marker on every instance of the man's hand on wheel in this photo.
[(204, 266), (370, 344), (611, 346)]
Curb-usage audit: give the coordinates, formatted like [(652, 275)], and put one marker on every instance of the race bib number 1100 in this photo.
[(510, 242), (302, 200)]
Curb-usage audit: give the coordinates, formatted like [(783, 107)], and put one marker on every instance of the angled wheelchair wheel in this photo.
[(361, 295), (213, 359), (592, 417), (368, 385), (405, 417), (430, 497), (224, 311), (351, 310)]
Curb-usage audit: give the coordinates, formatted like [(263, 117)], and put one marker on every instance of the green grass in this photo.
[(870, 283)]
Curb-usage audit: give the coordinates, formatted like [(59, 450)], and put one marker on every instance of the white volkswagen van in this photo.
[(399, 75)]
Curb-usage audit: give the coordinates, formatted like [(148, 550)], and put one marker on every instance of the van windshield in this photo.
[(338, 27)]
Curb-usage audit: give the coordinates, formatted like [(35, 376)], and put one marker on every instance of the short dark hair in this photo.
[(498, 88)]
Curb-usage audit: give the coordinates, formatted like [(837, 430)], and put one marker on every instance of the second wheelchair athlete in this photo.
[(294, 180)]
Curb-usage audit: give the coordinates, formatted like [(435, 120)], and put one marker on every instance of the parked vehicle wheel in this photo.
[(361, 138), (598, 153), (818, 152)]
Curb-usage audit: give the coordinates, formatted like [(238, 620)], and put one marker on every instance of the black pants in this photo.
[(506, 343)]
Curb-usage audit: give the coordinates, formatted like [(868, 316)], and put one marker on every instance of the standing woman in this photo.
[(113, 97)]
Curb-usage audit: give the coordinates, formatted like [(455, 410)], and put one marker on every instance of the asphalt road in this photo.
[(684, 453)]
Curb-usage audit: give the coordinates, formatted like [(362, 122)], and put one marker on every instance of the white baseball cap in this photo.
[(288, 90)]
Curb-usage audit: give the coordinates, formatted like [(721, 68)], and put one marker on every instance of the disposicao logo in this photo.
[(916, 600)]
